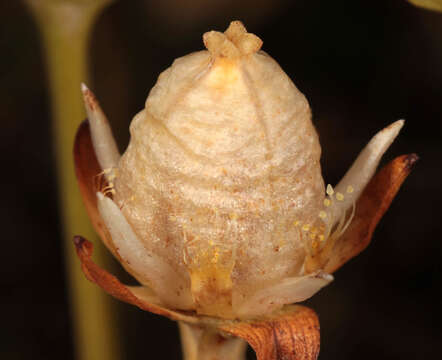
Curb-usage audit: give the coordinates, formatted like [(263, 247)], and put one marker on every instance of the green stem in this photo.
[(65, 28), (435, 5), (201, 342)]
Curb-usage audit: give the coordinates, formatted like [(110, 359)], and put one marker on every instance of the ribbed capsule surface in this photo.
[(222, 162)]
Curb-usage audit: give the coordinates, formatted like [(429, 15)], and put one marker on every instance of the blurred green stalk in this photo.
[(65, 26), (435, 5)]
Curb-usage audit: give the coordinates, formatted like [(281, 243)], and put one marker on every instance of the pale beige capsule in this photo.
[(222, 162)]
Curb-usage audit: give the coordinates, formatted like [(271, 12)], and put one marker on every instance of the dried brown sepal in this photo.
[(371, 206), (290, 334), (114, 287)]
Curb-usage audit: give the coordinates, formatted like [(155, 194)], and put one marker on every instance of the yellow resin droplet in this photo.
[(350, 189), (306, 227), (339, 196), (322, 214), (330, 190), (327, 202), (233, 216)]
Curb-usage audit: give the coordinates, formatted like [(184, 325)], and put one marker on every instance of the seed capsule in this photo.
[(222, 162)]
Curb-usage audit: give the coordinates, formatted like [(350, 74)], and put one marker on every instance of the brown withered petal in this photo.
[(290, 334), (371, 206), (114, 287)]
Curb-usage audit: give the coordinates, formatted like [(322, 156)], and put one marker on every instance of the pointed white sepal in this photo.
[(287, 291), (171, 287), (104, 143), (362, 170)]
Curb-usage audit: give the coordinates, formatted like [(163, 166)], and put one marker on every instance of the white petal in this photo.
[(287, 291), (104, 143), (171, 287), (363, 169), (145, 293)]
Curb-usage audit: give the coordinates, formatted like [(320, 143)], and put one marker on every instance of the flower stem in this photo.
[(65, 27), (201, 342)]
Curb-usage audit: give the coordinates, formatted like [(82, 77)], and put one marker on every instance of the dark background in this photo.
[(361, 64)]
